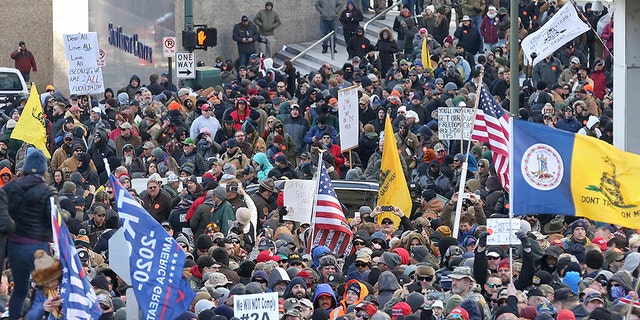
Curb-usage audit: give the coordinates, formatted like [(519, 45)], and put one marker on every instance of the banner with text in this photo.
[(85, 74), (455, 123), (349, 117), (298, 199), (502, 231)]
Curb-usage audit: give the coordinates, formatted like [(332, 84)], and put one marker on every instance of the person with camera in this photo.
[(24, 61)]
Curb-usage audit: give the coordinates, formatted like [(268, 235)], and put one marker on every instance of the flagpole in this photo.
[(315, 204), (465, 164), (511, 194), (595, 31)]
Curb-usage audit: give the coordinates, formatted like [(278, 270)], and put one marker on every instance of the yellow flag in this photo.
[(393, 189), (30, 127), (426, 56)]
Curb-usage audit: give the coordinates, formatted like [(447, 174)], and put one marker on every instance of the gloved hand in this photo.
[(482, 239), (524, 239)]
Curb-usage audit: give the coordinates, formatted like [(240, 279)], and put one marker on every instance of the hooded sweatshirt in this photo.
[(341, 310), (264, 165), (321, 289), (387, 285)]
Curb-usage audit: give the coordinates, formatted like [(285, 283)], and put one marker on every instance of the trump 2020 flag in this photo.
[(156, 260), (393, 189), (79, 301), (560, 172), (563, 27), (30, 127)]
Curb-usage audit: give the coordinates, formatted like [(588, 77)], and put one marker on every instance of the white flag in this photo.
[(563, 27)]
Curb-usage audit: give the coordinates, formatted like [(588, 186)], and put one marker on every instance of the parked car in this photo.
[(12, 84)]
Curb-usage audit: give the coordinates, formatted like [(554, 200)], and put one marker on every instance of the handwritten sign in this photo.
[(349, 118), (85, 80), (455, 123), (500, 232), (263, 306), (85, 59), (81, 49), (298, 199)]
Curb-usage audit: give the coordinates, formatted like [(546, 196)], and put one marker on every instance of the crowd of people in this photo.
[(199, 150)]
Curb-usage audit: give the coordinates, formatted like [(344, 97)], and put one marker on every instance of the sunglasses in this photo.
[(480, 166), (358, 243), (361, 265), (362, 315), (494, 285), (387, 222), (427, 278), (492, 258), (235, 241)]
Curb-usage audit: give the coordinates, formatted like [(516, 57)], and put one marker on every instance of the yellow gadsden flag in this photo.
[(393, 185), (425, 55), (30, 127)]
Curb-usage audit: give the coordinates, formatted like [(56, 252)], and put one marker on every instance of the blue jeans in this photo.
[(477, 21), (327, 26), (26, 77), (21, 260)]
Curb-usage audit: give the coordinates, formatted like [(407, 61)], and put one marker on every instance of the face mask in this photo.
[(492, 15), (617, 292)]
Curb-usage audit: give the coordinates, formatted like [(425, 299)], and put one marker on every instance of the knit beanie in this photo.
[(100, 281), (36, 163), (415, 300), (453, 301), (595, 260), (390, 259), (82, 239), (204, 242), (572, 279), (419, 253)]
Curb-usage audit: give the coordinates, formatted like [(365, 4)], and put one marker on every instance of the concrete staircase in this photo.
[(313, 60)]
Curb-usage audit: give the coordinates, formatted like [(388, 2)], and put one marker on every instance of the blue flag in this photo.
[(156, 260), (79, 301)]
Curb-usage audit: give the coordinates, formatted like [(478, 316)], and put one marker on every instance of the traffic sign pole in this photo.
[(170, 71)]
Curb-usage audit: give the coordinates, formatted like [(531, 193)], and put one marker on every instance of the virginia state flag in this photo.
[(31, 127), (156, 260), (393, 189), (559, 172)]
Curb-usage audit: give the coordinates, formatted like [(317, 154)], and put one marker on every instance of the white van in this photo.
[(11, 84)]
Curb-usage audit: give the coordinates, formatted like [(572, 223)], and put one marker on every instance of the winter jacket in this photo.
[(30, 208), (323, 288), (547, 71), (489, 30), (387, 285), (264, 164), (350, 19), (341, 310), (468, 38), (387, 48), (250, 31), (297, 128), (473, 7), (329, 9), (7, 225), (267, 22)]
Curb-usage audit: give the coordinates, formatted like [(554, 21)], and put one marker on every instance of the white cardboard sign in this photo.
[(455, 123), (500, 233)]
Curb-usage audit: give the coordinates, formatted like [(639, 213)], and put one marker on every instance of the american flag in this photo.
[(79, 301), (492, 125), (330, 227)]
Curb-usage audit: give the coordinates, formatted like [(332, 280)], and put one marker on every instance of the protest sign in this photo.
[(500, 233), (85, 74), (348, 114), (263, 306), (298, 199), (455, 123)]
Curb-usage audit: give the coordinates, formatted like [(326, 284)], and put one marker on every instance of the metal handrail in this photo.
[(380, 14), (313, 45)]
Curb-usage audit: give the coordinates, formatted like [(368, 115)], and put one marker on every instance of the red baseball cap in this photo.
[(600, 241), (267, 255)]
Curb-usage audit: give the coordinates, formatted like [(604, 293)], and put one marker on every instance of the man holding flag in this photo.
[(425, 45)]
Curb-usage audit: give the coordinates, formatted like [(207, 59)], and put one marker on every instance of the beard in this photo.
[(128, 160)]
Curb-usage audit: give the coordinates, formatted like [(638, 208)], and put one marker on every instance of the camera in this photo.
[(387, 208)]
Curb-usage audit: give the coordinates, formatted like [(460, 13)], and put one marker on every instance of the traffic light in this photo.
[(206, 37), (188, 40)]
